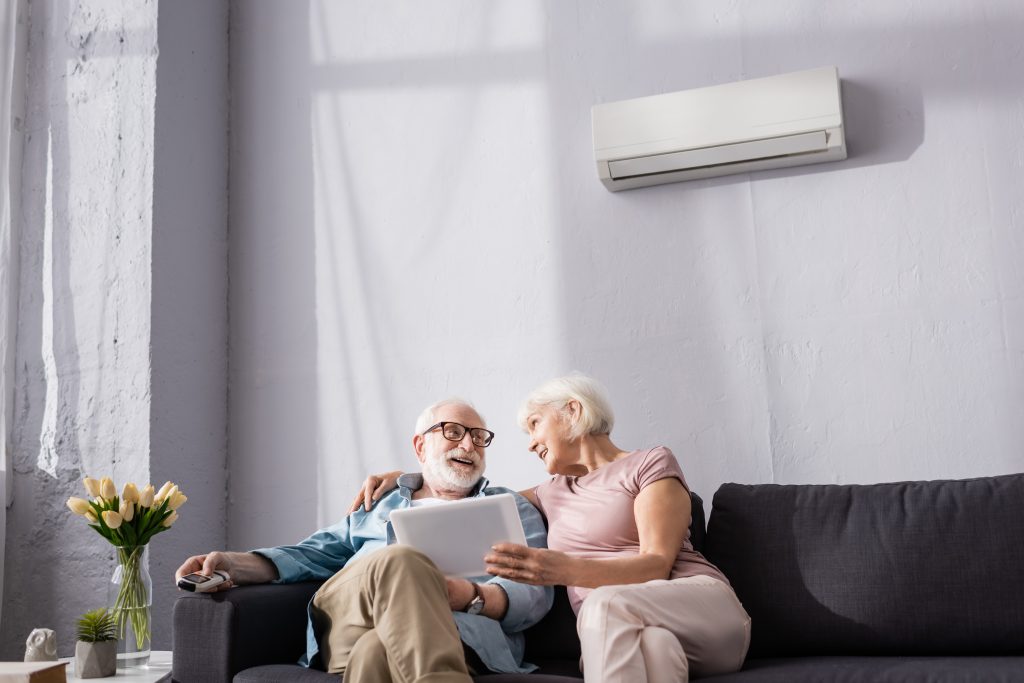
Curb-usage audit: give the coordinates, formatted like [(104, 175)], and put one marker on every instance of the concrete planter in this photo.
[(95, 660)]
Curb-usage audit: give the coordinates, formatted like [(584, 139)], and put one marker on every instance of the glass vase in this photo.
[(130, 599)]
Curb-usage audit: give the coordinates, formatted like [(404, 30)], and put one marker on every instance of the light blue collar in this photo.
[(411, 482)]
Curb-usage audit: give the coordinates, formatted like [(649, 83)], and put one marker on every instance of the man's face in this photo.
[(449, 465)]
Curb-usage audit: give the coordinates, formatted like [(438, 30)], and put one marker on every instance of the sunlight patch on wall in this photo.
[(47, 459)]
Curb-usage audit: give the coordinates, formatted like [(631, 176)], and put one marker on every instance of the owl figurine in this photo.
[(41, 646)]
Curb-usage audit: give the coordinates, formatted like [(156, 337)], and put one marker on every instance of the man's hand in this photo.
[(460, 593), (206, 565), (375, 486), (242, 568)]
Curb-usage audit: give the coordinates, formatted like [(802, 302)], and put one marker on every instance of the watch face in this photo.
[(476, 606)]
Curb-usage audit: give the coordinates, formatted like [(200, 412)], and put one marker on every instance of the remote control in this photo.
[(200, 583)]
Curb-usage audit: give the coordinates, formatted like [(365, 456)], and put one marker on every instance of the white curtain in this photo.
[(12, 47)]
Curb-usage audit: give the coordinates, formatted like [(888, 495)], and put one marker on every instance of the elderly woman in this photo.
[(649, 607)]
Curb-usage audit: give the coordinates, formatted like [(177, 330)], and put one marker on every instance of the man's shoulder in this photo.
[(524, 505), (498, 490)]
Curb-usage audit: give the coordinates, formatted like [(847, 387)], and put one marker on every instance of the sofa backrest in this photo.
[(927, 568), (555, 638)]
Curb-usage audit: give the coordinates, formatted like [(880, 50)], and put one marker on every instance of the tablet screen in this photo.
[(457, 535)]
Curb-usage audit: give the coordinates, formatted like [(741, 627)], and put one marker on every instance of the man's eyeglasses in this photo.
[(453, 431)]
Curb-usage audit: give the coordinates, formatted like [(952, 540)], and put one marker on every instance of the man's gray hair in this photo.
[(596, 415), (429, 416)]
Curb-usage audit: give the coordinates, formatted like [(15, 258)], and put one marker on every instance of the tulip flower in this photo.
[(162, 493), (169, 496), (78, 505), (177, 500), (112, 518), (107, 488), (130, 493), (129, 518), (92, 486)]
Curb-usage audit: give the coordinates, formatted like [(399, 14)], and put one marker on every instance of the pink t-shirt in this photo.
[(592, 516)]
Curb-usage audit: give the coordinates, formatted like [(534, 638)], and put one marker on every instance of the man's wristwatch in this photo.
[(477, 604)]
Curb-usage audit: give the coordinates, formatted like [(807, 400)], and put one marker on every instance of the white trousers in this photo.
[(662, 631)]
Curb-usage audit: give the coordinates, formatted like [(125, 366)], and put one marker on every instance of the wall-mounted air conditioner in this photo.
[(786, 120)]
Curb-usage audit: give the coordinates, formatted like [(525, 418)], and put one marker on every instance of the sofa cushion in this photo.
[(284, 672), (911, 568), (273, 673), (877, 670)]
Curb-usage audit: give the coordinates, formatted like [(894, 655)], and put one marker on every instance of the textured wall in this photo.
[(415, 212), (82, 394), (122, 339)]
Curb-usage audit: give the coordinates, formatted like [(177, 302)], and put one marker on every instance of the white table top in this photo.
[(158, 667)]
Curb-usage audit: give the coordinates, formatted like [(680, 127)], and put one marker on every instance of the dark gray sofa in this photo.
[(913, 581), (256, 633)]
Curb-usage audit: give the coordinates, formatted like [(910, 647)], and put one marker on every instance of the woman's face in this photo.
[(549, 438)]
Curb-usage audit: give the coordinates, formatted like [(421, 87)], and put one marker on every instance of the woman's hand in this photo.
[(375, 486), (537, 566)]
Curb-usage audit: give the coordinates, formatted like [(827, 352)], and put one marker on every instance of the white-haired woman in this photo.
[(649, 607)]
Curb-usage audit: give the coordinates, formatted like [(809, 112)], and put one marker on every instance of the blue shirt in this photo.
[(500, 644)]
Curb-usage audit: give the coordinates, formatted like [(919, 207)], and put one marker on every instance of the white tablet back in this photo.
[(457, 535)]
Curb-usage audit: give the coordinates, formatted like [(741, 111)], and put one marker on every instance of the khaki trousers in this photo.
[(386, 618), (662, 631)]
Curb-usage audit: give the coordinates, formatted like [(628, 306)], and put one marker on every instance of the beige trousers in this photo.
[(386, 618), (662, 631)]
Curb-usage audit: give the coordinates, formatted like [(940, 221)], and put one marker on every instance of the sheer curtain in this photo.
[(12, 47)]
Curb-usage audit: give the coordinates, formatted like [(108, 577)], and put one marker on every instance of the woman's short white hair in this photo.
[(428, 416), (596, 415)]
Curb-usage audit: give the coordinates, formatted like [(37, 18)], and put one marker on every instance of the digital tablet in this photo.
[(457, 535)]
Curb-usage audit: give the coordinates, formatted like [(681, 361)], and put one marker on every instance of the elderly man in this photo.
[(386, 612)]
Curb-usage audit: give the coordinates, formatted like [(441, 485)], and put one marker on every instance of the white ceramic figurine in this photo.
[(41, 646)]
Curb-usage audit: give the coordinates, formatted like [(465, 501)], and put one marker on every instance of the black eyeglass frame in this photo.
[(473, 431)]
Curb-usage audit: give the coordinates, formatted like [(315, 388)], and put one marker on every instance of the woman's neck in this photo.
[(596, 451)]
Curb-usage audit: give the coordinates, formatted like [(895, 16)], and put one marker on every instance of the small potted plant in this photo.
[(96, 649)]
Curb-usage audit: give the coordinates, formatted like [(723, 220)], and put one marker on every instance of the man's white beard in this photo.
[(439, 474)]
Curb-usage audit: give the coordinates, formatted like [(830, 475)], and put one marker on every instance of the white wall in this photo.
[(415, 213)]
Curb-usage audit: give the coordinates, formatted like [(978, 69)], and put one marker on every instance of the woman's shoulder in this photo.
[(657, 463), (661, 453), (654, 455)]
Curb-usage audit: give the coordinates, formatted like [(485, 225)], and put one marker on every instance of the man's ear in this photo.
[(419, 444)]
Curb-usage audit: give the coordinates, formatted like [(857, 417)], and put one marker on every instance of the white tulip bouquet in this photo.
[(129, 521)]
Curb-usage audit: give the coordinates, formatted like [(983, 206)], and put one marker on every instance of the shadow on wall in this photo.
[(273, 420), (883, 122)]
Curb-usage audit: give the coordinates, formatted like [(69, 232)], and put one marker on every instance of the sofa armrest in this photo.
[(217, 635)]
